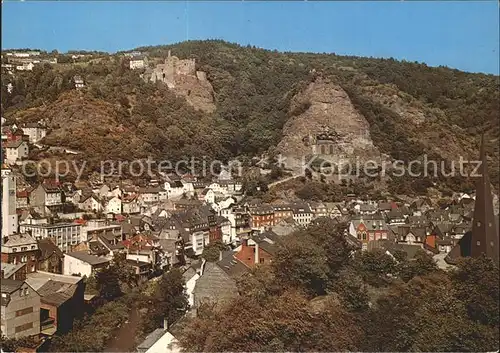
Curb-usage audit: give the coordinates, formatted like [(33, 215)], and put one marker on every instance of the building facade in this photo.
[(20, 309)]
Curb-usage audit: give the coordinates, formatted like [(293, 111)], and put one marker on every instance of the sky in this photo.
[(462, 35)]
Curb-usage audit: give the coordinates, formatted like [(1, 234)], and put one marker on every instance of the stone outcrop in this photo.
[(181, 77), (325, 123)]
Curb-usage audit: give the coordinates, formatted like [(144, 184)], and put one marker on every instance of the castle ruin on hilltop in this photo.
[(173, 68)]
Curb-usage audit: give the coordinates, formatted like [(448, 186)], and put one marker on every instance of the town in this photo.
[(58, 235), (255, 256)]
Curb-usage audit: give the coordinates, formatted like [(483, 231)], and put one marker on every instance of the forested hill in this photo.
[(411, 108)]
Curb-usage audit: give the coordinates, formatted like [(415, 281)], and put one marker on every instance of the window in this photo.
[(24, 258), (24, 327), (261, 261), (33, 247), (478, 243), (14, 249), (24, 311)]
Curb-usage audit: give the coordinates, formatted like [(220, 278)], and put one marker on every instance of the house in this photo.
[(130, 204), (225, 226), (47, 197), (174, 188), (90, 203), (141, 269), (35, 132), (262, 216), (386, 206), (149, 195), (366, 228), (395, 216), (419, 221), (144, 248), (64, 235), (138, 62), (302, 214), (78, 80), (421, 206), (282, 212), (444, 236), (114, 205), (411, 235), (51, 257), (392, 248), (207, 196), (25, 67), (11, 271), (21, 248), (336, 210), (20, 305), (83, 264), (217, 283), (16, 151), (29, 216), (22, 198), (61, 300), (367, 209), (253, 251), (101, 227)]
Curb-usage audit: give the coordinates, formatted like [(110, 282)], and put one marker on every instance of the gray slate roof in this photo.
[(90, 259), (10, 285)]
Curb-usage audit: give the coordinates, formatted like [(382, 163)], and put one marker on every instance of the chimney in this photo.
[(165, 324), (220, 255), (244, 242), (169, 53)]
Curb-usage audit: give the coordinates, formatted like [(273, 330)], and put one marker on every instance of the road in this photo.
[(282, 181), (124, 339)]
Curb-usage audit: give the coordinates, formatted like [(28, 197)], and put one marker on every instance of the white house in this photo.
[(130, 204), (149, 195), (25, 67), (82, 263), (174, 189), (208, 196), (114, 205), (90, 203), (35, 132), (302, 214), (16, 150), (78, 82), (137, 62)]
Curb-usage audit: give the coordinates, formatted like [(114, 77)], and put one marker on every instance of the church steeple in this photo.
[(484, 238)]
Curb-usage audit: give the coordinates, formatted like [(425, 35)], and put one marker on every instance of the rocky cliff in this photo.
[(325, 106)]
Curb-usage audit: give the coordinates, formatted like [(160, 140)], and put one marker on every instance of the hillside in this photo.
[(265, 101)]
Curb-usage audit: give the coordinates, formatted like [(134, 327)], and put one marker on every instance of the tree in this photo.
[(289, 322), (477, 285), (108, 282), (168, 302), (299, 262), (420, 265), (212, 251), (376, 267)]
